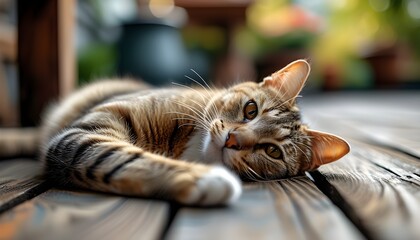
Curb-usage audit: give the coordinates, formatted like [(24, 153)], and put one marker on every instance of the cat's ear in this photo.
[(289, 80), (326, 148)]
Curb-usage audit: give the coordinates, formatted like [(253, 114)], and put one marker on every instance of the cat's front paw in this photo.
[(216, 187)]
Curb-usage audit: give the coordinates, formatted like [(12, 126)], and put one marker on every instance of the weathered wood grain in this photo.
[(384, 193), (404, 138), (79, 215), (253, 217), (289, 209), (389, 118), (305, 213), (382, 185), (17, 178), (70, 215)]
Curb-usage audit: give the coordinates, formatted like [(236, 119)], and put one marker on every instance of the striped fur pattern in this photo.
[(183, 144)]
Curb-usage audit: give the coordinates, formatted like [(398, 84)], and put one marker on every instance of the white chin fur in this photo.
[(210, 152)]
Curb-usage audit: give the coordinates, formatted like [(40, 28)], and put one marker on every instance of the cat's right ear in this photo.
[(289, 80), (326, 148)]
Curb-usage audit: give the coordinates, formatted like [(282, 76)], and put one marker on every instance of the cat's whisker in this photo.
[(213, 110), (190, 107), (252, 177), (195, 123), (208, 87), (192, 121), (198, 103), (184, 118), (306, 155), (248, 174), (213, 113), (198, 83), (190, 124), (193, 109), (191, 118), (254, 173), (203, 97), (216, 110), (251, 173), (202, 79), (209, 93), (200, 122)]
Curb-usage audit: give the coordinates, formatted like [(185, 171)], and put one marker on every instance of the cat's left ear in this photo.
[(326, 148), (289, 80)]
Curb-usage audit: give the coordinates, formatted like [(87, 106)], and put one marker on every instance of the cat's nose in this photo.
[(239, 140), (232, 141)]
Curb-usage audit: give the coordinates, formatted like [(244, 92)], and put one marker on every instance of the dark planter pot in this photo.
[(153, 52)]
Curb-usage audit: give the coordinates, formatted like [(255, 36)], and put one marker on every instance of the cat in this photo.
[(185, 144)]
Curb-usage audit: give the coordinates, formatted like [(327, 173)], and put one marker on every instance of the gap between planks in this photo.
[(383, 190), (380, 178), (19, 181), (288, 209), (58, 214)]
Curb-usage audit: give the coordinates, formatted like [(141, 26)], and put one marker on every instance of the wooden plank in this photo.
[(253, 217), (405, 138), (78, 215), (44, 39), (384, 191), (381, 185), (18, 181), (305, 213), (286, 213), (389, 119)]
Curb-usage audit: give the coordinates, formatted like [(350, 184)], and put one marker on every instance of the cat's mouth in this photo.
[(223, 150), (226, 157)]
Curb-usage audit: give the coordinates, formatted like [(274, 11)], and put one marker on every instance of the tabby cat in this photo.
[(190, 145)]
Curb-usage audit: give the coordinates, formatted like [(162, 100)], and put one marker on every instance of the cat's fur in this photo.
[(183, 144)]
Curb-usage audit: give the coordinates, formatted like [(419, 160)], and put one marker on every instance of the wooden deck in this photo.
[(372, 193)]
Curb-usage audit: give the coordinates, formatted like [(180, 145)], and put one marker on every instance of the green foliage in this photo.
[(96, 60)]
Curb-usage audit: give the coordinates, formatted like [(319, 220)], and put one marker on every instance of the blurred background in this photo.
[(353, 45)]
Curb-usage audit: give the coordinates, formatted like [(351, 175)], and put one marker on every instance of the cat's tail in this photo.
[(19, 142)]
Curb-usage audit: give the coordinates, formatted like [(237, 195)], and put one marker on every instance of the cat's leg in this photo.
[(105, 163)]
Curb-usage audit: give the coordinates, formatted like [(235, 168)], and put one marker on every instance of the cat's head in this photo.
[(256, 129)]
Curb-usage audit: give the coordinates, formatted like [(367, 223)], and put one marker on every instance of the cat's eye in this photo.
[(250, 110), (273, 151)]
